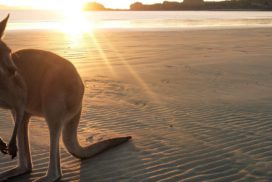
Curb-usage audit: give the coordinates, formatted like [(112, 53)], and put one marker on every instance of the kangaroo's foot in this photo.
[(3, 147), (49, 178), (12, 150), (18, 171)]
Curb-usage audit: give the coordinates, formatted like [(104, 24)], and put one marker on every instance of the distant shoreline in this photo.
[(127, 10), (186, 5), (143, 10), (181, 10), (189, 5), (108, 9)]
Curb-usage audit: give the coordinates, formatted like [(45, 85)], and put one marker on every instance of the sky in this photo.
[(58, 4)]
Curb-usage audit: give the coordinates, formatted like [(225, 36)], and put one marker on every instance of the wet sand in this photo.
[(197, 104)]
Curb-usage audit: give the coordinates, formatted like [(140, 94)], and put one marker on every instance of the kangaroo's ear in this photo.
[(3, 25)]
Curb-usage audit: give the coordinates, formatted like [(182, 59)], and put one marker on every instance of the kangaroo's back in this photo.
[(35, 65), (47, 75)]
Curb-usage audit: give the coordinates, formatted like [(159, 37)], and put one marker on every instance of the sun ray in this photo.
[(103, 55), (134, 74), (164, 110)]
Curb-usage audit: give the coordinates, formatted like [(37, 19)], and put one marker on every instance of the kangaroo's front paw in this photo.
[(12, 150), (3, 147)]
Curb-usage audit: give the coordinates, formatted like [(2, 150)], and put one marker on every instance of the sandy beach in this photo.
[(197, 104)]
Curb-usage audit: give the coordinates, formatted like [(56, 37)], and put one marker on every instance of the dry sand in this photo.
[(197, 103)]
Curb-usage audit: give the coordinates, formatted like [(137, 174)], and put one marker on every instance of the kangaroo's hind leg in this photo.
[(25, 164), (54, 120)]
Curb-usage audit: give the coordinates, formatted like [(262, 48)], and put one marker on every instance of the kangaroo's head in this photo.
[(7, 66)]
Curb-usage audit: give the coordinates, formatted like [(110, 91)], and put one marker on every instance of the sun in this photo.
[(74, 20), (75, 23)]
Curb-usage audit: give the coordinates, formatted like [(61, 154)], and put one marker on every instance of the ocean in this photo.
[(141, 20)]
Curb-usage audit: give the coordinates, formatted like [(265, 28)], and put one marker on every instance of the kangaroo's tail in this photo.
[(71, 142)]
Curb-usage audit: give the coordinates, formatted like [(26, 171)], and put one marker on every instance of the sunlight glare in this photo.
[(74, 25), (74, 22)]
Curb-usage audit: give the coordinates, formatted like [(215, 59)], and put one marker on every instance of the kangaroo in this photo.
[(41, 83)]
